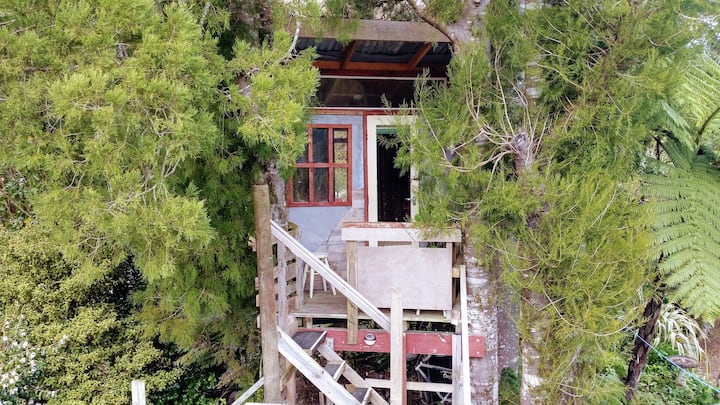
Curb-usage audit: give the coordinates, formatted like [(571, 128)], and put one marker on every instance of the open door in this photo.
[(390, 194)]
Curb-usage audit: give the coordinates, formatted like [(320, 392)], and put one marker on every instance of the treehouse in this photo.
[(355, 274)]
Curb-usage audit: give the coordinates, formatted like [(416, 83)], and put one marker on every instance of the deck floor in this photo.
[(325, 305)]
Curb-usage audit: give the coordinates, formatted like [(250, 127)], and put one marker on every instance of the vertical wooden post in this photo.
[(352, 309), (266, 285), (465, 336), (457, 370), (291, 392), (398, 365), (282, 285), (137, 389)]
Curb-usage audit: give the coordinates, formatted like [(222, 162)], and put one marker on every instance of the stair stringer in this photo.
[(325, 349), (304, 363)]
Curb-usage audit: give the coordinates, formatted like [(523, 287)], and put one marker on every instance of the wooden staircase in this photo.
[(298, 350)]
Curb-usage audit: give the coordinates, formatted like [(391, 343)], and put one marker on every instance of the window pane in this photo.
[(320, 184), (340, 146), (301, 185), (320, 145), (341, 184)]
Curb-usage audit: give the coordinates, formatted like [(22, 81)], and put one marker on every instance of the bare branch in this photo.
[(206, 10), (420, 11)]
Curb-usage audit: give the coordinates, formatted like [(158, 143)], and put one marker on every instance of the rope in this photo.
[(682, 370)]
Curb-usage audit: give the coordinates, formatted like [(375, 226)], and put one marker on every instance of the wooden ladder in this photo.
[(298, 350)]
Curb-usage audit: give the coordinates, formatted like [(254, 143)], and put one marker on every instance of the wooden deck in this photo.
[(325, 305)]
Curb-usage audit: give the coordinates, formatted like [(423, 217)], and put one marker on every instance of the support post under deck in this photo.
[(398, 362), (352, 309), (266, 287)]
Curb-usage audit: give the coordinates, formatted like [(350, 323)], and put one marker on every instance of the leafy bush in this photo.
[(196, 387), (660, 384), (20, 362)]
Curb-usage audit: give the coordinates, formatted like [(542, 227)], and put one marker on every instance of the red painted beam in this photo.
[(436, 343)]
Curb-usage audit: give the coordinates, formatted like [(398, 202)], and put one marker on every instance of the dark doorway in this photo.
[(393, 187)]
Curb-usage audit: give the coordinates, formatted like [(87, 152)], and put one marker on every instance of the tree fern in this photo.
[(684, 189)]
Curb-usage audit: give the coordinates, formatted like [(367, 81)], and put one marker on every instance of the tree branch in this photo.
[(420, 11), (206, 10), (296, 35)]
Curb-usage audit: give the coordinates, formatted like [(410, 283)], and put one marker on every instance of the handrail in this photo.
[(250, 391), (330, 276)]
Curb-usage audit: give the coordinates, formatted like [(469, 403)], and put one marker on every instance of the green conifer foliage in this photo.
[(88, 345), (144, 142), (565, 222)]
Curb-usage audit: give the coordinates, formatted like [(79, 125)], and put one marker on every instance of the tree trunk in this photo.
[(482, 317), (278, 207), (508, 336), (645, 334), (530, 385)]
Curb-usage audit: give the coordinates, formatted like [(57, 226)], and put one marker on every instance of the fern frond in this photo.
[(686, 233), (699, 99), (678, 151)]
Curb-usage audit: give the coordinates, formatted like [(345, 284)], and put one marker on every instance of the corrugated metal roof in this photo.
[(378, 51)]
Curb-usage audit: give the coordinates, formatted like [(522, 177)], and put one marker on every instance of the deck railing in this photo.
[(342, 286)]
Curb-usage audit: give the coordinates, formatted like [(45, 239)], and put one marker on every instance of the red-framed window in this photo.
[(323, 174)]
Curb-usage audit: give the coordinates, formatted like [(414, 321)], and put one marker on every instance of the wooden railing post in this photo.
[(137, 389), (282, 285), (266, 287), (352, 309), (398, 365)]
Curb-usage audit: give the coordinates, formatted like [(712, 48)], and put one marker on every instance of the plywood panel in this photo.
[(397, 232), (423, 274)]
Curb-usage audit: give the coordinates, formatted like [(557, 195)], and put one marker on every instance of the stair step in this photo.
[(335, 370), (309, 340), (362, 395)]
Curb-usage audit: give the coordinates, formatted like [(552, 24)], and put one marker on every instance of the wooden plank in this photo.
[(424, 274), (361, 395), (327, 351), (262, 403), (435, 343), (268, 303), (335, 369), (398, 365), (366, 66), (309, 340), (249, 392), (424, 49), (281, 284), (331, 276), (312, 370), (457, 377), (348, 53), (412, 385), (377, 30), (352, 309), (137, 388), (291, 392), (465, 336), (397, 232), (326, 305)]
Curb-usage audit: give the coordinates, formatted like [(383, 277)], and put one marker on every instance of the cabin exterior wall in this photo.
[(320, 226)]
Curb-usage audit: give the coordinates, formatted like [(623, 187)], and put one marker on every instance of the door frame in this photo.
[(372, 122)]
